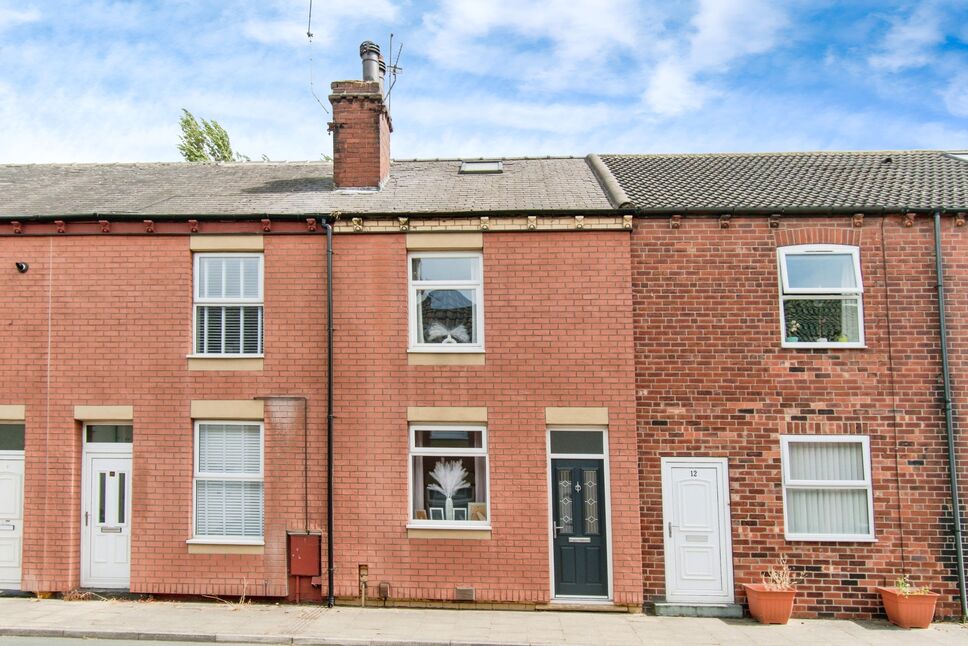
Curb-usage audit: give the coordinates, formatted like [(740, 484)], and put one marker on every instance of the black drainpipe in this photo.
[(330, 598), (948, 420)]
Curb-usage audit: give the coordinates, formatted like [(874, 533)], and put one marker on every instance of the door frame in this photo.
[(103, 450), (725, 517), (608, 510), (22, 456)]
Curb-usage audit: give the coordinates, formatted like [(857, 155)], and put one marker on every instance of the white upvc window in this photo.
[(228, 304), (448, 476), (827, 488), (821, 296), (446, 300), (228, 482)]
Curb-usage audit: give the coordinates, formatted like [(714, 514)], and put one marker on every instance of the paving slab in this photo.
[(307, 625)]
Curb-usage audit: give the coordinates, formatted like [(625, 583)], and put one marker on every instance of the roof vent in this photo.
[(481, 167)]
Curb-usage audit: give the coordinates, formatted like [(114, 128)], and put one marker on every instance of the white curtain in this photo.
[(841, 511), (826, 461)]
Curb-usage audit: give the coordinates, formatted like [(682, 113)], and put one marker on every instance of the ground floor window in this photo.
[(448, 475), (827, 487), (228, 481)]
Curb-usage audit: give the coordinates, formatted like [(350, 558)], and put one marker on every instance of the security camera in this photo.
[(22, 267)]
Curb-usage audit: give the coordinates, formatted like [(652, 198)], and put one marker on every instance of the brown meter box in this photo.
[(304, 554)]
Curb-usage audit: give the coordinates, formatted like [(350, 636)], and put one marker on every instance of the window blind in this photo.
[(228, 484)]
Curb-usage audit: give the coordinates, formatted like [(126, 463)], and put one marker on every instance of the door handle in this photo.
[(670, 529), (558, 528), (86, 515)]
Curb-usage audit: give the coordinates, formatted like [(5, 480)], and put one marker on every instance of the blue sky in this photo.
[(99, 81)]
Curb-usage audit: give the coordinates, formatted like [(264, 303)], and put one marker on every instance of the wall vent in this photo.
[(463, 594)]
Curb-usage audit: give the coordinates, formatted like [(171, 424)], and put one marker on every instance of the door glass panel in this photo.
[(110, 433), (590, 492), (102, 494), (11, 437), (576, 442), (121, 493), (566, 516)]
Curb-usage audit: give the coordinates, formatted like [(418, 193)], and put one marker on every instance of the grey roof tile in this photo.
[(291, 188), (914, 179)]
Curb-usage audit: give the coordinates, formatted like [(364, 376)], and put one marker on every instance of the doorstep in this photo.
[(590, 605), (722, 610)]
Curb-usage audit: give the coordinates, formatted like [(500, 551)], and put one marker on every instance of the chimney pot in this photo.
[(370, 55)]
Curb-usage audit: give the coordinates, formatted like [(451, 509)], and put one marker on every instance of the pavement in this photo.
[(306, 625)]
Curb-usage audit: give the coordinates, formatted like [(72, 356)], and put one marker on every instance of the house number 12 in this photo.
[(693, 473)]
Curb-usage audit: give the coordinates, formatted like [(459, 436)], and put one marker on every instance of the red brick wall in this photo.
[(557, 321), (712, 380), (557, 315), (120, 311)]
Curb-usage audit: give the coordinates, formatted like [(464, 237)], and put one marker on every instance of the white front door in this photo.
[(698, 552), (106, 521), (11, 518)]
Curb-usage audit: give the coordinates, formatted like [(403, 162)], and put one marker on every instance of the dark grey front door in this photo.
[(578, 495)]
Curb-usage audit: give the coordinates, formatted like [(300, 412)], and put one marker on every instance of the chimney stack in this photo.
[(361, 126)]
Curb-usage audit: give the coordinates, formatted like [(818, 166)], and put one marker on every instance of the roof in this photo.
[(916, 179), (278, 188)]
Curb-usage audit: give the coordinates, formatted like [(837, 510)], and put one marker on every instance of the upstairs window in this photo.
[(821, 296), (827, 488), (446, 302), (228, 304)]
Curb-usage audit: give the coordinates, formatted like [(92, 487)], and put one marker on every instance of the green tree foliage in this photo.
[(207, 141)]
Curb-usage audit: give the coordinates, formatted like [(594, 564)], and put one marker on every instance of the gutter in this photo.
[(623, 208), (949, 422)]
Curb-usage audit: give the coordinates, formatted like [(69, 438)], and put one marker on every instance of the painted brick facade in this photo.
[(106, 320), (712, 380)]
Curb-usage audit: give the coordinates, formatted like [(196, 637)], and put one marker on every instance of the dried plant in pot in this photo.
[(771, 602), (908, 606)]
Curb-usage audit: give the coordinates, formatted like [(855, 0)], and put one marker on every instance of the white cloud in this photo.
[(13, 17), (910, 40), (723, 31), (553, 45), (482, 112), (956, 98)]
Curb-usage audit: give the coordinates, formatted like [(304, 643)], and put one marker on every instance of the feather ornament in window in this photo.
[(456, 334), (451, 478)]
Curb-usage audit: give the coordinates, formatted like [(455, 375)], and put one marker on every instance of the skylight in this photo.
[(481, 167)]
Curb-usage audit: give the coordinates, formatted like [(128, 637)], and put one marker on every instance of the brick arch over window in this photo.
[(809, 234)]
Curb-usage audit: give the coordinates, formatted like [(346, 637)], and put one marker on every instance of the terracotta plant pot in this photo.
[(911, 611), (769, 606)]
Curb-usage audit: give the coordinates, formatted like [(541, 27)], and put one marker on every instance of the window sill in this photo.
[(224, 546), (816, 538), (478, 532), (440, 358), (231, 362), (828, 346)]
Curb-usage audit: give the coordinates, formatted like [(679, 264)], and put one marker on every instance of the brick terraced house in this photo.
[(631, 381), (789, 383)]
